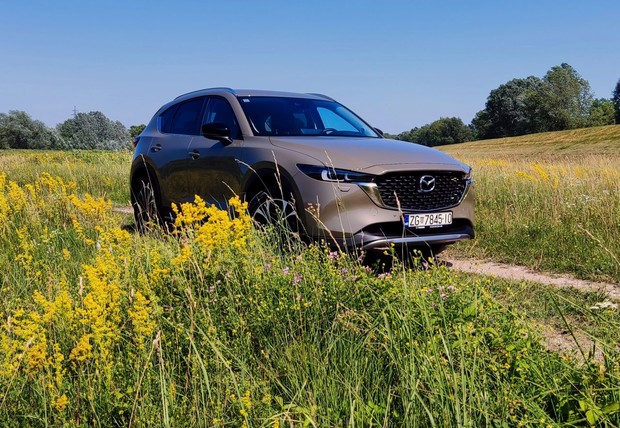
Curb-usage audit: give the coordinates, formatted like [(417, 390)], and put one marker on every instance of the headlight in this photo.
[(468, 175), (324, 173)]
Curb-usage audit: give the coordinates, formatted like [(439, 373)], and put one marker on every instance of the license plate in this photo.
[(421, 221)]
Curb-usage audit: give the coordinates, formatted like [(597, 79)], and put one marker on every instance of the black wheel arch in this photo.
[(141, 172), (268, 176), (147, 173)]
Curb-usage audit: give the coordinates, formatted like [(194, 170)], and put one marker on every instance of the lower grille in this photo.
[(407, 191)]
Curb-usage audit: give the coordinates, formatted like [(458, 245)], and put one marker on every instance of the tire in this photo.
[(269, 208), (436, 249), (146, 211), (422, 255)]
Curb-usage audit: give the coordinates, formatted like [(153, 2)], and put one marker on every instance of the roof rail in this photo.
[(232, 91), (322, 96)]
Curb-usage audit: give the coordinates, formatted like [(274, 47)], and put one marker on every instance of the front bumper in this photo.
[(409, 239), (347, 215)]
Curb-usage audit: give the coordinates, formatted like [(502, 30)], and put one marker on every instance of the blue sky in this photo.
[(398, 64)]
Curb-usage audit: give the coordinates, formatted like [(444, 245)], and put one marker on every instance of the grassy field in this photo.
[(103, 174), (548, 201), (217, 326), (599, 141)]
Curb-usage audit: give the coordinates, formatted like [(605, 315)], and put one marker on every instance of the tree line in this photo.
[(560, 100), (86, 131)]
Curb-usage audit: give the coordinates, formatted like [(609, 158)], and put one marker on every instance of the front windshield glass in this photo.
[(272, 116)]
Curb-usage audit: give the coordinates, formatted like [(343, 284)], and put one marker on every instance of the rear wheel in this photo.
[(145, 207)]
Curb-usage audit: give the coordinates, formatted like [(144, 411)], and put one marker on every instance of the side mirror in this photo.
[(217, 131), (378, 131)]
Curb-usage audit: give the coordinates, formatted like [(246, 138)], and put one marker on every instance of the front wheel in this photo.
[(273, 208)]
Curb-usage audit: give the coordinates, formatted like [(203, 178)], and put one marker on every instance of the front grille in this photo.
[(404, 190)]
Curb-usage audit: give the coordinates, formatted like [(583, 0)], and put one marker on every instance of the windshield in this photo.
[(272, 116)]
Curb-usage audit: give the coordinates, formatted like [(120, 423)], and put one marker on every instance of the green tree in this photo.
[(407, 135), (446, 130), (508, 108), (616, 100), (136, 130), (481, 125), (562, 102), (601, 112), (19, 131), (94, 130)]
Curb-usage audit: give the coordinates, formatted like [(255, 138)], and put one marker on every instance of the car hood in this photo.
[(370, 155)]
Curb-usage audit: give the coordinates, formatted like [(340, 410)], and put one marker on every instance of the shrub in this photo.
[(19, 131), (94, 130)]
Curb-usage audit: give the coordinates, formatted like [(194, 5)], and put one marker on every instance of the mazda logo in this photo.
[(427, 184)]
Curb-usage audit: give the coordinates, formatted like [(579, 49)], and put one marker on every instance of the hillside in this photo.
[(548, 201), (602, 140)]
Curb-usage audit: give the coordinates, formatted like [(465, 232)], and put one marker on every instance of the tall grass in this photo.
[(99, 173), (216, 326), (547, 207)]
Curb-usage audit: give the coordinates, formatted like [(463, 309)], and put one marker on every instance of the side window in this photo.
[(165, 119), (219, 111), (186, 119)]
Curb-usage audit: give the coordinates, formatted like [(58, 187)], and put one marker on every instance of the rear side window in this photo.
[(165, 119), (185, 119)]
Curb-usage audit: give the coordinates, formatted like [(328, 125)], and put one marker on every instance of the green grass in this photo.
[(218, 326), (548, 201), (99, 173), (559, 309)]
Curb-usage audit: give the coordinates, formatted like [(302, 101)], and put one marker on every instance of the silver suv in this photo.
[(301, 159)]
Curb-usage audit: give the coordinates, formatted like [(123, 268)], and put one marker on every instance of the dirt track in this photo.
[(520, 273)]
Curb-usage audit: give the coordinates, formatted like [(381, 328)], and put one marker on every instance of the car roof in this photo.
[(251, 93)]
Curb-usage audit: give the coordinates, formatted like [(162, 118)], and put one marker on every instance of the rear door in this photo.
[(178, 126)]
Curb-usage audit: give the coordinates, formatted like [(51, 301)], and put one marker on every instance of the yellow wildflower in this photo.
[(16, 197), (60, 403), (141, 319), (182, 257), (82, 350), (246, 400), (4, 203), (540, 170)]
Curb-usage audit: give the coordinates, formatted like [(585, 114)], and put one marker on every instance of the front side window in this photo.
[(272, 116), (220, 112)]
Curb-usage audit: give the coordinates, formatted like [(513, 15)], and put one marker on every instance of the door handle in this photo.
[(156, 148), (195, 154)]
